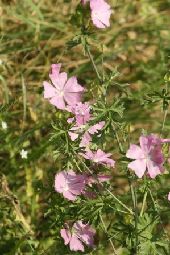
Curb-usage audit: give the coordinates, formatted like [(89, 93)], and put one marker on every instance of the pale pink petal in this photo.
[(73, 136), (70, 120), (84, 232), (86, 139), (169, 196), (101, 20), (95, 128), (76, 244), (165, 140), (153, 169), (58, 101), (135, 152), (138, 166), (69, 195), (88, 155), (60, 181), (49, 90), (59, 80), (72, 98), (100, 13), (55, 69), (72, 86), (66, 235)]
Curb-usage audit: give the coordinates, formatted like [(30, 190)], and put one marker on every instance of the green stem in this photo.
[(105, 229), (158, 213), (122, 204), (144, 202), (165, 112), (134, 198), (93, 63)]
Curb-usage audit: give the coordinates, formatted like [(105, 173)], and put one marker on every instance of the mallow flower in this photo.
[(62, 91), (81, 112), (78, 235), (100, 12), (86, 137), (70, 184), (148, 156), (99, 157)]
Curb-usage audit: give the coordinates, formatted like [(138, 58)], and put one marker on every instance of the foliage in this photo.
[(125, 70)]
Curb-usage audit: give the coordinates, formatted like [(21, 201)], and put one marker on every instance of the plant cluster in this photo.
[(106, 190)]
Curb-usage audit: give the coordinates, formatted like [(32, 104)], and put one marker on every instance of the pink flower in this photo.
[(95, 128), (81, 112), (100, 13), (70, 184), (63, 91), (73, 135), (146, 156), (79, 234), (85, 140), (99, 157), (169, 196)]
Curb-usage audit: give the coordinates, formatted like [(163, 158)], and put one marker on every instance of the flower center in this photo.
[(61, 93), (66, 188), (96, 160)]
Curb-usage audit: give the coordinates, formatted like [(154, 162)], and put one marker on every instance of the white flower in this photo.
[(23, 153), (4, 125)]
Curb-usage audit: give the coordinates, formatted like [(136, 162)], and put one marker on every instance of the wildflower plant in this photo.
[(106, 191), (90, 148)]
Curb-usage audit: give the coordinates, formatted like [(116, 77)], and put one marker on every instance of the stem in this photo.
[(122, 204), (105, 229), (164, 120), (24, 92), (117, 138), (93, 64), (165, 112), (134, 198), (144, 202), (157, 211), (16, 205)]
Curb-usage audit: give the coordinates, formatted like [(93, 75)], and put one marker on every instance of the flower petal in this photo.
[(59, 80), (58, 101), (154, 169), (66, 235), (72, 98), (76, 244), (73, 86), (138, 166), (49, 90), (69, 195), (135, 152)]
